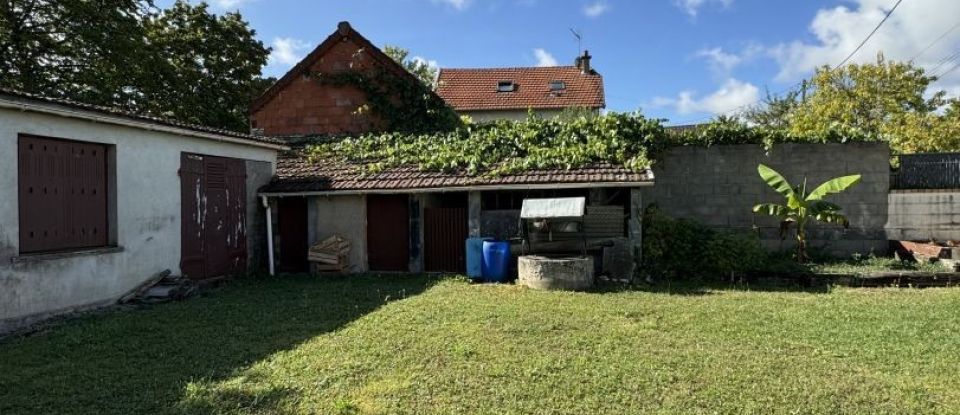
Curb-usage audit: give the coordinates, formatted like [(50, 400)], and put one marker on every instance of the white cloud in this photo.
[(544, 58), (429, 62), (731, 96), (719, 60), (692, 7), (456, 4), (596, 8), (287, 51), (838, 30)]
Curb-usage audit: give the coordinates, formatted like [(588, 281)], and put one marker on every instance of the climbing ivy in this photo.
[(504, 147), (403, 105)]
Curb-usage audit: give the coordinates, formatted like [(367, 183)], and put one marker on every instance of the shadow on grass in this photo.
[(141, 361), (704, 287)]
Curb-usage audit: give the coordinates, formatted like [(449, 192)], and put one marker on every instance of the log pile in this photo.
[(330, 255)]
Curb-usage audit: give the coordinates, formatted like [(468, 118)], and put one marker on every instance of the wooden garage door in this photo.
[(444, 239), (388, 236), (213, 216)]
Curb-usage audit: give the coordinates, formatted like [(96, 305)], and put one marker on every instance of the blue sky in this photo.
[(684, 60)]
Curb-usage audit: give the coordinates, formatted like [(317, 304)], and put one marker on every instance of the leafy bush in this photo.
[(575, 140), (686, 249)]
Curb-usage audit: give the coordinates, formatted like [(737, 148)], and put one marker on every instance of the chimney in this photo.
[(583, 63)]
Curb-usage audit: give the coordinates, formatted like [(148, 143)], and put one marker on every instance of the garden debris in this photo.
[(946, 253), (161, 287), (330, 255)]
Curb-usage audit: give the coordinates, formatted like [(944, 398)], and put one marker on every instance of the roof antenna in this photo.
[(579, 41)]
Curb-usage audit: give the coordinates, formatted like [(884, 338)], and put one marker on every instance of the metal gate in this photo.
[(445, 235), (213, 197), (388, 237)]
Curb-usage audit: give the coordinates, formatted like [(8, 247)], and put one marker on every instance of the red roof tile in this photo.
[(476, 89), (296, 174)]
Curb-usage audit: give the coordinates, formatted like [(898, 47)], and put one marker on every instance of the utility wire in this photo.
[(860, 46), (887, 16), (937, 40)]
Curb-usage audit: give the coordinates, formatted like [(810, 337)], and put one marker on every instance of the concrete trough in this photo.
[(546, 273)]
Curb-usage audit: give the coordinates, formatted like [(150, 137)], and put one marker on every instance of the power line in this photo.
[(860, 46), (942, 74), (887, 16), (937, 40)]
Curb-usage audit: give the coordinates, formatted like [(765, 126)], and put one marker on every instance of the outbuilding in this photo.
[(94, 201)]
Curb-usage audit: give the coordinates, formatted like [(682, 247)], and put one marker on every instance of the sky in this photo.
[(682, 60)]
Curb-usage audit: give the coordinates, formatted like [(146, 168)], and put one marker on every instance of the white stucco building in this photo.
[(92, 203)]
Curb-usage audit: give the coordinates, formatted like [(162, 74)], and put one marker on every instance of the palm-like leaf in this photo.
[(833, 186), (818, 206), (775, 180), (773, 209), (832, 217)]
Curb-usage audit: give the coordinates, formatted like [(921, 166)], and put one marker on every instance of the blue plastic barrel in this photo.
[(496, 261), (475, 257)]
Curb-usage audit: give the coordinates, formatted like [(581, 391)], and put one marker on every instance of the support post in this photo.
[(269, 213), (473, 214), (635, 228)]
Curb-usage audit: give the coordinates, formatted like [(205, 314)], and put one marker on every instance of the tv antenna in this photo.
[(579, 37)]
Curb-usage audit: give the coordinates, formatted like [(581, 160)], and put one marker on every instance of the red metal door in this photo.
[(444, 239), (388, 237), (213, 223), (292, 226)]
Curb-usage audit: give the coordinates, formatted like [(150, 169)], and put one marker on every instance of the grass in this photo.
[(414, 345), (868, 264)]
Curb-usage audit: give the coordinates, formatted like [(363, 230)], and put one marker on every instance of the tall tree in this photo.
[(418, 67), (183, 62), (210, 66), (775, 110), (890, 100)]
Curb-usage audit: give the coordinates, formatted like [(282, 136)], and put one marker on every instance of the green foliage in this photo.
[(681, 249), (885, 100), (802, 206), (418, 67), (182, 62), (505, 147)]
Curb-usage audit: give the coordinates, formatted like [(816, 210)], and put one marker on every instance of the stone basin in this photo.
[(555, 273)]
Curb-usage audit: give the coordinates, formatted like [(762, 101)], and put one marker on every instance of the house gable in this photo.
[(298, 104)]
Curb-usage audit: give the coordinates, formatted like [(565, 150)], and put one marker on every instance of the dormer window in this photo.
[(557, 86), (506, 86)]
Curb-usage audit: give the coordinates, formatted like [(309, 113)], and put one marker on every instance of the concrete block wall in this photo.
[(924, 215), (719, 186)]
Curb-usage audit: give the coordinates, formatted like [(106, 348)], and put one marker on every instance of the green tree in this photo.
[(209, 66), (418, 67), (79, 49), (183, 62), (802, 207), (775, 110), (886, 99)]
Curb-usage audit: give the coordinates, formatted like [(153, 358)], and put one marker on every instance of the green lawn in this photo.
[(414, 345)]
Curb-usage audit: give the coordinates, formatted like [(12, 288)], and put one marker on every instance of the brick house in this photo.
[(510, 93), (403, 219)]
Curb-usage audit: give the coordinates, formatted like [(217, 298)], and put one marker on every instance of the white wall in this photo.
[(148, 215), (345, 216)]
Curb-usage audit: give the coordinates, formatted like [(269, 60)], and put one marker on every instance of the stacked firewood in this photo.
[(330, 255)]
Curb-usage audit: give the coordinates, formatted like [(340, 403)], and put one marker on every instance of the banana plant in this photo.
[(802, 207)]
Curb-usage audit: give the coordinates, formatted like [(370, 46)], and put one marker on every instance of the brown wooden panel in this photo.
[(62, 194), (213, 207), (292, 226), (388, 238), (445, 235), (192, 261)]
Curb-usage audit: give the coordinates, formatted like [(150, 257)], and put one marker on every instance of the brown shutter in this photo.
[(62, 194)]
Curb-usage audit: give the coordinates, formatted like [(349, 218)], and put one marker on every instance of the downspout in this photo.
[(266, 204)]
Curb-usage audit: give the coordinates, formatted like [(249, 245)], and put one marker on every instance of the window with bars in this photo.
[(63, 194)]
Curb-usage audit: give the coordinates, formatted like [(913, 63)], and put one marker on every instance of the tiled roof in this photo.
[(296, 173), (29, 98), (476, 89)]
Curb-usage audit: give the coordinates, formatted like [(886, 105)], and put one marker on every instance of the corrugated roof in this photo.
[(296, 174), (476, 89), (29, 98)]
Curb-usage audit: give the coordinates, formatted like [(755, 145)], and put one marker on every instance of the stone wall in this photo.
[(719, 186), (924, 215)]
